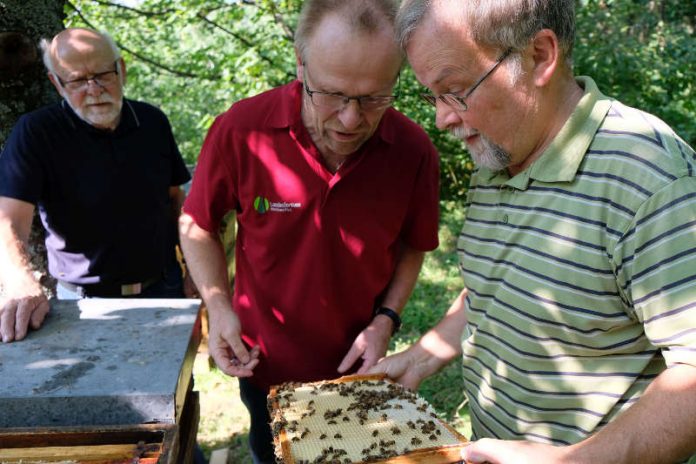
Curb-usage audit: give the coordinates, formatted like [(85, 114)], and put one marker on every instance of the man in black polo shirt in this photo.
[(104, 173)]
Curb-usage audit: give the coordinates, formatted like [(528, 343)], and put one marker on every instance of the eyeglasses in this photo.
[(102, 79), (337, 101), (456, 102)]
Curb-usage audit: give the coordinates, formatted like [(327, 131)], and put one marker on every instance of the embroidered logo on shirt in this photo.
[(262, 205)]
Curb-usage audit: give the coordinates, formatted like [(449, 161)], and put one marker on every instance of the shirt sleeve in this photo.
[(180, 173), (21, 172), (213, 193), (420, 229), (655, 267)]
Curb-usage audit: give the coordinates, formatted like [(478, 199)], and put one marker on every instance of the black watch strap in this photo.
[(391, 314)]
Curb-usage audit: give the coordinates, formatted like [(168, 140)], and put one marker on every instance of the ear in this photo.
[(55, 83), (122, 71), (546, 55), (299, 65)]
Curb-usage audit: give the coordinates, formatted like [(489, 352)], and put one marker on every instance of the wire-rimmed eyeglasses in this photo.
[(337, 101), (456, 102), (102, 79)]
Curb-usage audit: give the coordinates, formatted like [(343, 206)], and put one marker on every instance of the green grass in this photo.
[(224, 421)]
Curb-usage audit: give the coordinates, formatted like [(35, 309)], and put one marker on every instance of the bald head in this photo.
[(86, 69), (76, 43)]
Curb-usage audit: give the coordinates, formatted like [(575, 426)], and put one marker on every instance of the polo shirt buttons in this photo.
[(505, 218)]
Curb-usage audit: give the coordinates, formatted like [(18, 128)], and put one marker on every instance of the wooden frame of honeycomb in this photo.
[(358, 419)]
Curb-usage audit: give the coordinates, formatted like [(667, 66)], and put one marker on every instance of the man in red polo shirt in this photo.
[(336, 198)]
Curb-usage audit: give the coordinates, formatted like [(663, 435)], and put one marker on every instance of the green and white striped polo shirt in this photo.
[(581, 275)]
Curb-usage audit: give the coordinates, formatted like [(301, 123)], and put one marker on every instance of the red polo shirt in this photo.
[(314, 250)]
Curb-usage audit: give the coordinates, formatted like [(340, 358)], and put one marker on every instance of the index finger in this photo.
[(25, 312), (350, 358), (7, 321)]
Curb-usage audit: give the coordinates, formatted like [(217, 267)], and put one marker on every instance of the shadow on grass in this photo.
[(438, 285), (237, 446)]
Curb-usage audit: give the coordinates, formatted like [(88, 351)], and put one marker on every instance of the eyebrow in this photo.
[(343, 94), (81, 75), (444, 74), (449, 70)]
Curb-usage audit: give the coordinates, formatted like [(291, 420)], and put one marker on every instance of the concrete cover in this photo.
[(100, 362)]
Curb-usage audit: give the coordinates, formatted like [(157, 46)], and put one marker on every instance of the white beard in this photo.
[(486, 154), (103, 118)]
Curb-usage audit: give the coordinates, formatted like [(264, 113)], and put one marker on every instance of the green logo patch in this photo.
[(261, 205)]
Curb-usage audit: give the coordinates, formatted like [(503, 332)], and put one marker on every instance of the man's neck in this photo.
[(558, 111), (332, 161)]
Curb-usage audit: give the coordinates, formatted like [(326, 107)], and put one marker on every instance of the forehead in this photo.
[(82, 52), (342, 59), (441, 48)]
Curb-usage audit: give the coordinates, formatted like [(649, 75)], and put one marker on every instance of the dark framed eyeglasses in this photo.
[(102, 79), (456, 102), (337, 101)]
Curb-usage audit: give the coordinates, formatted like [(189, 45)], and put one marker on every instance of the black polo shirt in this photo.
[(103, 196)]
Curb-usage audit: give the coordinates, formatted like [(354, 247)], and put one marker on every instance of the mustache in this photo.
[(103, 98), (462, 132)]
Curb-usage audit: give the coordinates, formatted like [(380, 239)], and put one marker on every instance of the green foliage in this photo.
[(642, 52), (438, 285), (194, 58)]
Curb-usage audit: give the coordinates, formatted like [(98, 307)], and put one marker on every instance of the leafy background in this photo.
[(194, 58)]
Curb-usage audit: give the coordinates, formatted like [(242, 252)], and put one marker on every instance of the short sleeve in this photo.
[(180, 173), (420, 229), (656, 271), (213, 193), (21, 173)]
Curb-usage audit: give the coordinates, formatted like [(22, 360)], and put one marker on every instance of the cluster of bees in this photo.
[(329, 455), (365, 397)]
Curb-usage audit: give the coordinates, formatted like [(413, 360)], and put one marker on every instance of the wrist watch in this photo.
[(391, 314)]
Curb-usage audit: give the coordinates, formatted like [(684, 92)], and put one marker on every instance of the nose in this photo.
[(446, 116), (350, 115), (94, 87)]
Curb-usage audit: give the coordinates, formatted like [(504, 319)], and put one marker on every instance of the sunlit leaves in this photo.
[(642, 52), (194, 58)]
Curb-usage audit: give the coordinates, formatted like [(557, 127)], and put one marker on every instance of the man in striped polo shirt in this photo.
[(577, 326)]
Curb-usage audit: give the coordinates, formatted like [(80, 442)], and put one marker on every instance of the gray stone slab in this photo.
[(101, 362)]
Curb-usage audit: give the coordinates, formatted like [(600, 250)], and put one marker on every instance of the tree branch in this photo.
[(146, 59), (243, 40), (136, 10), (273, 10)]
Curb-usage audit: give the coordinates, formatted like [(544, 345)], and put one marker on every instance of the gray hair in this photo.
[(365, 16), (48, 48), (500, 24)]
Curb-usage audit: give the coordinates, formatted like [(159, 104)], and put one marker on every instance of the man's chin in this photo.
[(101, 121), (488, 161), (345, 148)]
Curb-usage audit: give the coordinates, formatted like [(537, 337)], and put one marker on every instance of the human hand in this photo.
[(492, 451), (403, 367), (18, 313), (226, 347), (370, 345)]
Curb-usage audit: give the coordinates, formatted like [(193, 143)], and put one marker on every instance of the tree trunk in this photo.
[(23, 83)]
